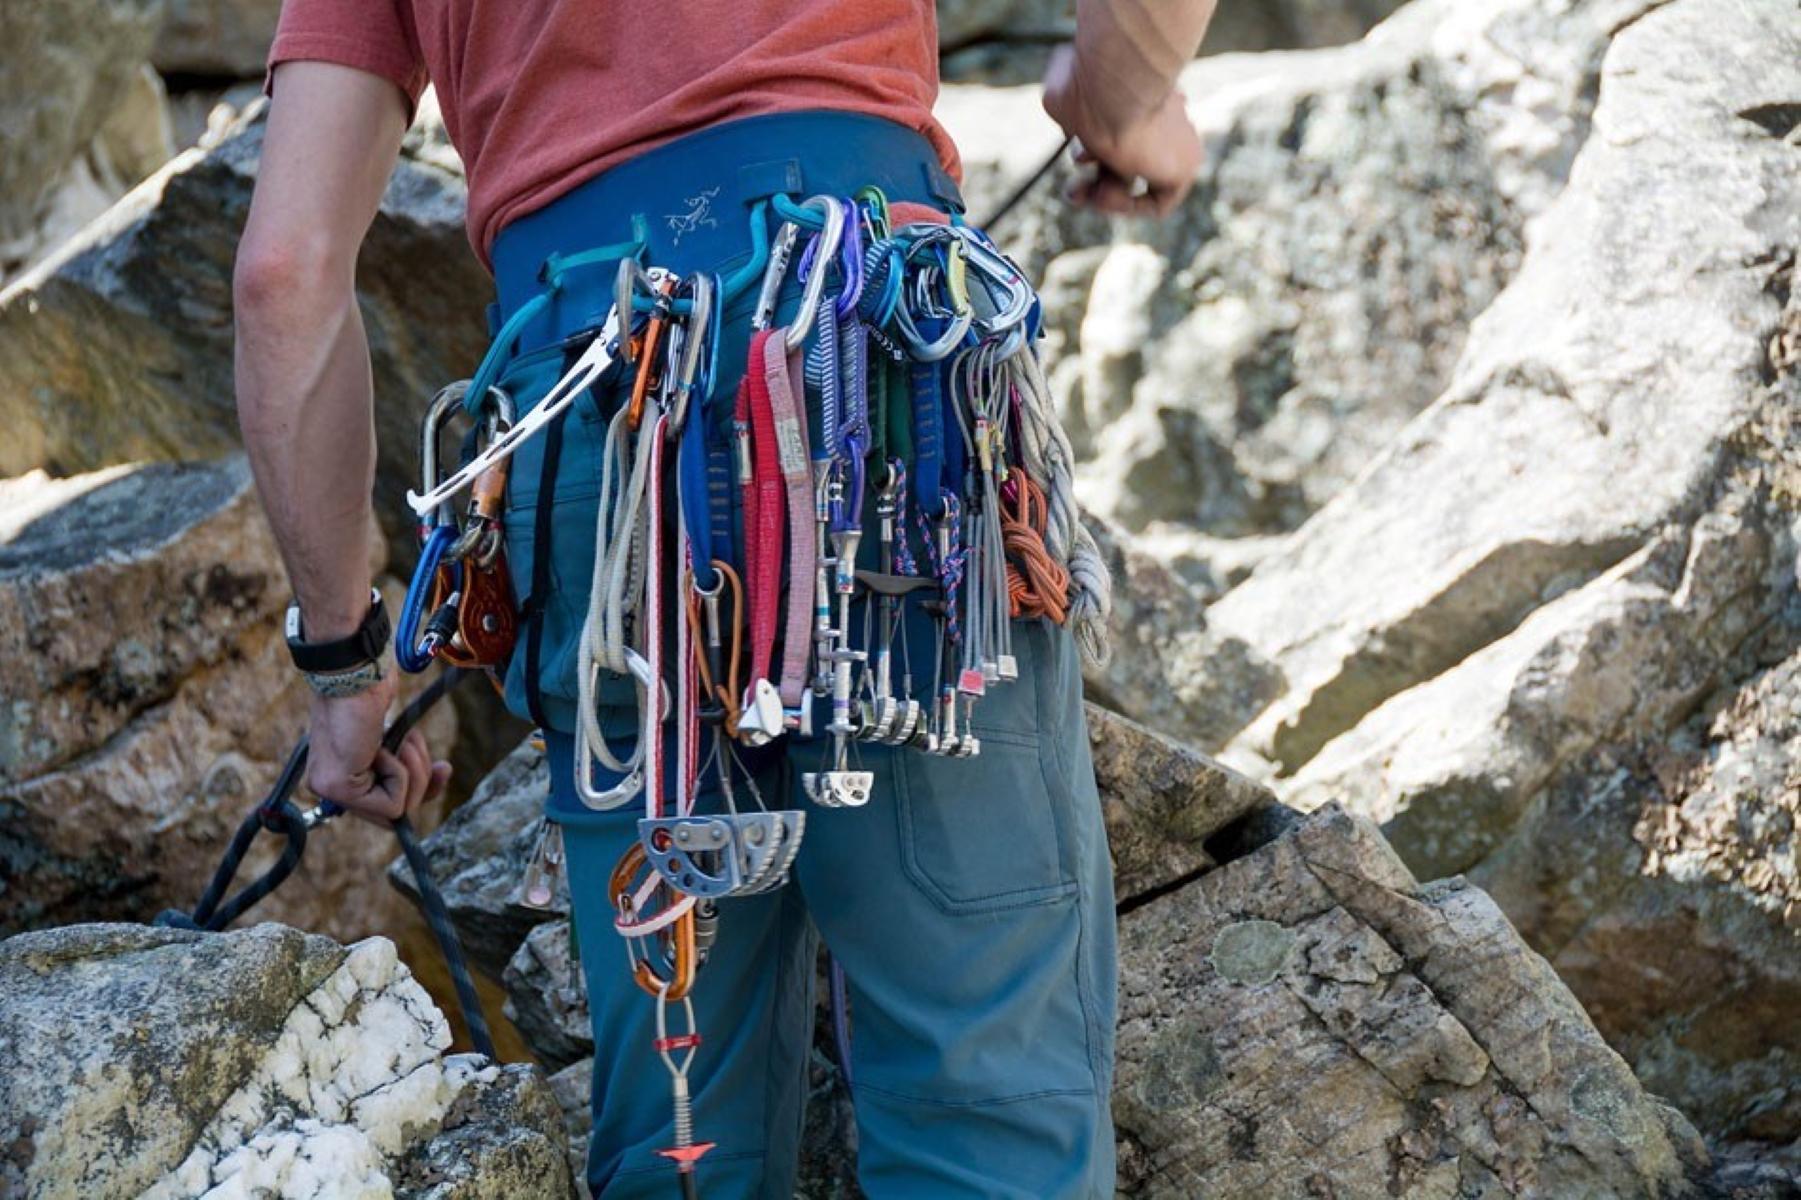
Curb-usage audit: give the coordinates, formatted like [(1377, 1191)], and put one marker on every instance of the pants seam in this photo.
[(1085, 985), (773, 1079)]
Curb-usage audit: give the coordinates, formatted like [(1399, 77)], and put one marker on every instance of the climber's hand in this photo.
[(1143, 168), (347, 764)]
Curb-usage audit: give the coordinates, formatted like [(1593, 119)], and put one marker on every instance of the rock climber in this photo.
[(970, 906)]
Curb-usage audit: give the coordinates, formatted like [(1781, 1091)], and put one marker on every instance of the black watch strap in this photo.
[(345, 654)]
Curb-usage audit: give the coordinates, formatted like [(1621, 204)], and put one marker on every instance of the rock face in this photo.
[(546, 997), (1440, 1056), (1008, 41), (85, 119), (1660, 877), (1539, 615), (1163, 802), (1233, 368), (216, 37), (1167, 668), (149, 701), (68, 67), (94, 377), (261, 1062)]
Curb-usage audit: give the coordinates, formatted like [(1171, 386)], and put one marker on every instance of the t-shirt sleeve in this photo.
[(369, 35)]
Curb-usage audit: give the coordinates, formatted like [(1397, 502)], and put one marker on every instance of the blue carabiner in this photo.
[(412, 660)]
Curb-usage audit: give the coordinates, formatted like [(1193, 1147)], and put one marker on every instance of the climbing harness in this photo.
[(891, 447)]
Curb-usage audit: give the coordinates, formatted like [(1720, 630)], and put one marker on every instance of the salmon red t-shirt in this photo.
[(542, 95)]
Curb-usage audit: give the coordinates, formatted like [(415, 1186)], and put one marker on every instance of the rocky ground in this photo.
[(263, 1062), (1447, 448)]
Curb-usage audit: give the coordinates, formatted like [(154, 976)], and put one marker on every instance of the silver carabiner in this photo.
[(497, 410), (997, 273), (443, 406), (918, 239), (780, 254), (693, 344), (632, 276)]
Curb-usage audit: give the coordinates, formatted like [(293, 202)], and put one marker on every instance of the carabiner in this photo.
[(920, 239), (644, 355), (480, 538), (827, 245), (625, 895), (695, 341), (995, 271)]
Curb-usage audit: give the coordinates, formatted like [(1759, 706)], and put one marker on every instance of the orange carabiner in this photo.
[(718, 670), (646, 355), (677, 939)]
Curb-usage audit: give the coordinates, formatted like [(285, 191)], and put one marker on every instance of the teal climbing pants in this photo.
[(969, 903)]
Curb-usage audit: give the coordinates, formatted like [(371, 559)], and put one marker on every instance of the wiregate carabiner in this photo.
[(694, 342), (996, 273), (480, 537)]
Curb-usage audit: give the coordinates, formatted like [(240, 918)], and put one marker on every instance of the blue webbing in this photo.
[(926, 379)]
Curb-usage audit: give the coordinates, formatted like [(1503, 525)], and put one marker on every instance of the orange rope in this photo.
[(1037, 584)]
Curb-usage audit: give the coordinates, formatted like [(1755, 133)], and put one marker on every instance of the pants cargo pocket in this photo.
[(982, 835), (988, 833)]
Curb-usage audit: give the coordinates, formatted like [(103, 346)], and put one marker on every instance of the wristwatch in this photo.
[(347, 665)]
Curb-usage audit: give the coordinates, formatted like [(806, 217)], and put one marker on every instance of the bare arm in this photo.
[(305, 400), (1115, 92)]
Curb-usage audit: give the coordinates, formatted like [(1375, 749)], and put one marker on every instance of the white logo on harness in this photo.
[(700, 212)]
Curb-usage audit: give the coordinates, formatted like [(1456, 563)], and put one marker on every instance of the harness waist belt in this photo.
[(690, 202)]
